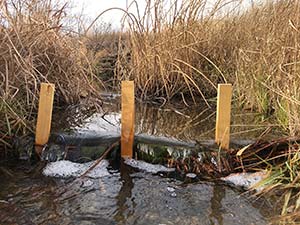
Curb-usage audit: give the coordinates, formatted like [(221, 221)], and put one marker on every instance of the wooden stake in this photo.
[(127, 119), (223, 115), (44, 117)]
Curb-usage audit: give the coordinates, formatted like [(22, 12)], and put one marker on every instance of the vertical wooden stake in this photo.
[(127, 119), (223, 115), (44, 117)]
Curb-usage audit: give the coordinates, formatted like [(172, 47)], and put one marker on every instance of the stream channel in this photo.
[(143, 190)]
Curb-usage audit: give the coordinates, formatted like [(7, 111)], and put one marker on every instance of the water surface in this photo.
[(127, 197)]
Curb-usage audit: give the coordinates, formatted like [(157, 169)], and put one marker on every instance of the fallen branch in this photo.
[(100, 159)]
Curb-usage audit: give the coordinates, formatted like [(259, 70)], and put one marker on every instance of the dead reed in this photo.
[(281, 159), (173, 52), (184, 48), (267, 61), (35, 47)]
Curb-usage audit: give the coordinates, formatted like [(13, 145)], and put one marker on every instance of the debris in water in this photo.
[(101, 124), (151, 168), (65, 169), (173, 194)]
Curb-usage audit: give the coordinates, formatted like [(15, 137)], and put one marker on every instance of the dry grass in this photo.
[(185, 49), (267, 79), (281, 158), (268, 61), (103, 45), (36, 48), (176, 50)]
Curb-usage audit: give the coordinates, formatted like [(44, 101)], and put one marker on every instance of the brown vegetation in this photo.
[(185, 49), (36, 48)]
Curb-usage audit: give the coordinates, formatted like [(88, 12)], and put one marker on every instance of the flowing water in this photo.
[(125, 196), (130, 192)]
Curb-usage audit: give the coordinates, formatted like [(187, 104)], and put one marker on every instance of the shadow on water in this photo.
[(216, 204), (124, 194)]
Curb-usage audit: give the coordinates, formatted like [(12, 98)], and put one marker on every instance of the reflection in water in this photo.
[(124, 198), (195, 123), (216, 205), (130, 197), (188, 123), (185, 124)]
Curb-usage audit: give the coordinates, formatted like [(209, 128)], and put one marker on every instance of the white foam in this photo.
[(65, 169), (191, 175), (246, 180), (170, 189), (148, 167)]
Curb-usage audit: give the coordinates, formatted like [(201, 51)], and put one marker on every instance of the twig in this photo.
[(100, 159)]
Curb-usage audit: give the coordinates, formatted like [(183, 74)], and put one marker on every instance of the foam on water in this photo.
[(151, 168), (65, 169), (246, 180)]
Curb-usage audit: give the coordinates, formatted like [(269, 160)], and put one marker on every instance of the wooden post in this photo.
[(223, 115), (44, 117), (127, 119)]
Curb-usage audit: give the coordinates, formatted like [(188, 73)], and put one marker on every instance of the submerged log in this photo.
[(202, 158)]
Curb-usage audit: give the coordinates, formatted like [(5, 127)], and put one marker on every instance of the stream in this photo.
[(138, 191)]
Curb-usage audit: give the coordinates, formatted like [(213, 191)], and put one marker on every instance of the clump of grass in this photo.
[(267, 60), (284, 181), (268, 80), (35, 47), (281, 159)]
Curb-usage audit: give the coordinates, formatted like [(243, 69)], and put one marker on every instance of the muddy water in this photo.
[(127, 197)]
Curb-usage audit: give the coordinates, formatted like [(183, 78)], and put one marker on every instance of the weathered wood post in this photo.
[(44, 117), (127, 119), (223, 115)]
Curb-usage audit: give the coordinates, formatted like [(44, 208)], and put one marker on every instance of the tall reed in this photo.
[(174, 51), (184, 48), (35, 47)]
